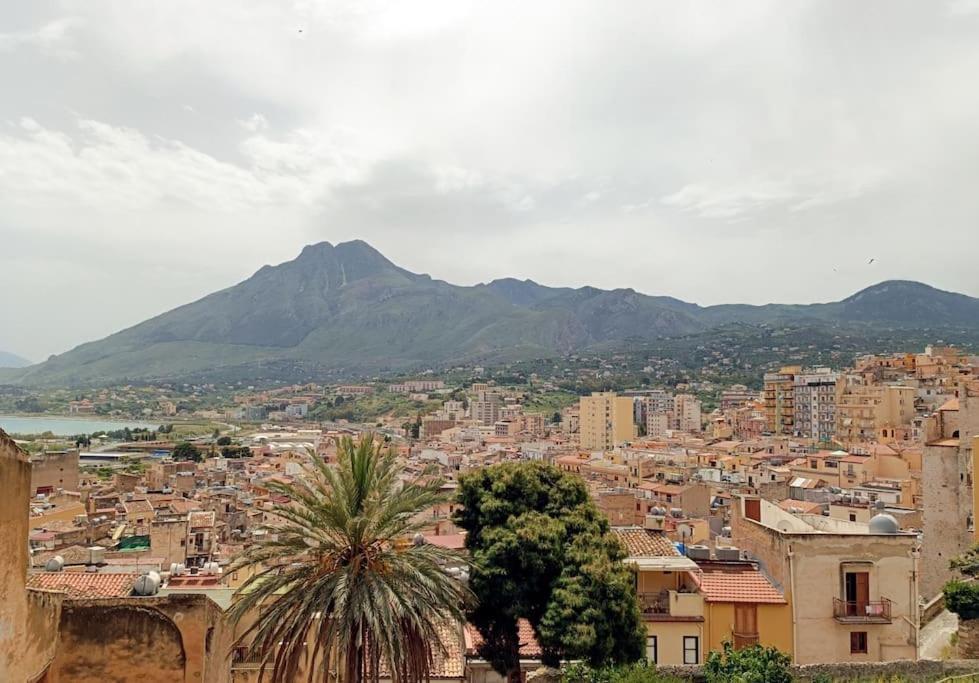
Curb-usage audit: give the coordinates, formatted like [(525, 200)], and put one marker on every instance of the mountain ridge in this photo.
[(348, 308)]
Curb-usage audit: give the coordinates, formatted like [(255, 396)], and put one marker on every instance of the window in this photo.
[(858, 642), (652, 653), (691, 649)]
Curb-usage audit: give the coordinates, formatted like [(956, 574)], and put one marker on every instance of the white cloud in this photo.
[(53, 39)]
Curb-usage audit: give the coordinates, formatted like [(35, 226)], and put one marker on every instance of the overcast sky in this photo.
[(152, 152)]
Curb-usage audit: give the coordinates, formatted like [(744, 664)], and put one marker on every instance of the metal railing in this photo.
[(869, 611)]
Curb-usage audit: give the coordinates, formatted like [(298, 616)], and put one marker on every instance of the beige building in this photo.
[(779, 391), (947, 472), (671, 603), (871, 412), (605, 421), (853, 587), (686, 413), (54, 470)]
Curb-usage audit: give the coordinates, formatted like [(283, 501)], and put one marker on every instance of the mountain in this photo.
[(11, 360), (346, 309)]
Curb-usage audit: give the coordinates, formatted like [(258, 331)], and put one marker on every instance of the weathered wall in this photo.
[(28, 620), (150, 640)]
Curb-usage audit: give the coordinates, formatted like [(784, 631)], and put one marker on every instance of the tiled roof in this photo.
[(529, 647), (82, 585), (736, 583), (804, 505), (451, 541), (641, 542), (448, 653)]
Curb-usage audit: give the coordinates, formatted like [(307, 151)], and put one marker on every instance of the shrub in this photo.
[(962, 598), (755, 664), (628, 673)]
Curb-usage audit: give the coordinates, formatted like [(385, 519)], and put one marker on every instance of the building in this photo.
[(686, 413), (814, 404), (853, 587), (486, 408), (670, 600), (778, 396), (742, 606), (54, 470), (867, 411), (605, 421), (947, 471)]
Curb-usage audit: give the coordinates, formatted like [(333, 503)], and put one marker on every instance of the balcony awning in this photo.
[(662, 564)]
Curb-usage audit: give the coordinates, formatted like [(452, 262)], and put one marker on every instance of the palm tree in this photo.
[(340, 582)]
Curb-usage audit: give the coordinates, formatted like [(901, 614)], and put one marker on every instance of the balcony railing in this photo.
[(672, 604), (862, 612)]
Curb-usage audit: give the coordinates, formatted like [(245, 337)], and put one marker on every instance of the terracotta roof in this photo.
[(805, 506), (73, 554), (448, 653), (79, 585), (529, 647), (951, 404), (451, 541), (641, 542), (736, 583)]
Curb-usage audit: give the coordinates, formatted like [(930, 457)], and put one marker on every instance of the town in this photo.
[(817, 516)]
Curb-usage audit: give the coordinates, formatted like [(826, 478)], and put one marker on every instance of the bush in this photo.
[(629, 673), (962, 598), (755, 664)]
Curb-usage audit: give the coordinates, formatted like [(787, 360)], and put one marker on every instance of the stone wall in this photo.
[(176, 638), (923, 670), (28, 619)]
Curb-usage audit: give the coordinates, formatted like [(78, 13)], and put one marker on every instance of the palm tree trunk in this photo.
[(353, 663)]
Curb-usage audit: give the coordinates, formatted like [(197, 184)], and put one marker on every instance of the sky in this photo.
[(153, 152)]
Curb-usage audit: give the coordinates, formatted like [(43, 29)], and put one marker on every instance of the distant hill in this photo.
[(12, 360), (346, 309)]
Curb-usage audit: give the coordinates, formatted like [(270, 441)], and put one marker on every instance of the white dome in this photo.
[(884, 524)]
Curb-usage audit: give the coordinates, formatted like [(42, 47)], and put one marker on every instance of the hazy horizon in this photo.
[(711, 152)]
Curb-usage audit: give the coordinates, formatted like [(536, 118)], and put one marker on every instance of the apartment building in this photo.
[(486, 408), (853, 587), (605, 421), (686, 413), (779, 391), (866, 411), (814, 404)]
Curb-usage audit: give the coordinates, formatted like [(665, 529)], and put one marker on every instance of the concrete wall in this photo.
[(53, 471), (774, 625)]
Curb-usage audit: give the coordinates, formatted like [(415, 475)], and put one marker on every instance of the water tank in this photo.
[(676, 512), (418, 539), (884, 524), (211, 568), (147, 584), (96, 555), (55, 564), (728, 554), (698, 552)]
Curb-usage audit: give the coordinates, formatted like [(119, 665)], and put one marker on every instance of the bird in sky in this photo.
[(871, 261)]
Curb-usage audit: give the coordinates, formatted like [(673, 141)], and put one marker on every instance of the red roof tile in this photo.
[(85, 585), (736, 583), (529, 647), (641, 542)]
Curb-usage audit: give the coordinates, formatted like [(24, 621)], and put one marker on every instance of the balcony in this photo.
[(672, 605), (851, 612)]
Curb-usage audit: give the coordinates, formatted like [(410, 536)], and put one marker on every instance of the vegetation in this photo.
[(187, 451), (542, 551), (755, 664), (641, 672), (340, 575), (962, 597)]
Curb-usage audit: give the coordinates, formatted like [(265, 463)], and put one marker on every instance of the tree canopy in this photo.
[(186, 451), (339, 584), (544, 552)]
